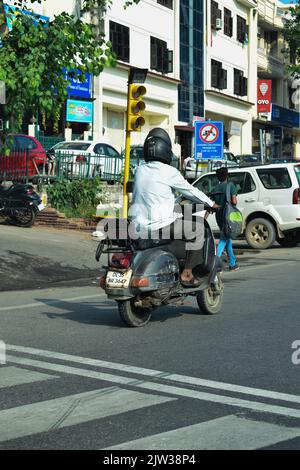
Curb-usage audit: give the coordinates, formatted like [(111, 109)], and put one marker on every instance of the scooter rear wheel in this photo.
[(131, 315), (210, 300)]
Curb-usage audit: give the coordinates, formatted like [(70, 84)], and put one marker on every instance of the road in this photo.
[(77, 378)]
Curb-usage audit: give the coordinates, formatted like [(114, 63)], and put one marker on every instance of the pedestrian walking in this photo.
[(219, 195)]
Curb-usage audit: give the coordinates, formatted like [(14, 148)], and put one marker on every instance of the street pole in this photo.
[(126, 174)]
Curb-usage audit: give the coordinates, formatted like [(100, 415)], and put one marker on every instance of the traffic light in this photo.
[(135, 107)]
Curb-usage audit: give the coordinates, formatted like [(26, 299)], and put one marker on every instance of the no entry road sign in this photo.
[(209, 140)]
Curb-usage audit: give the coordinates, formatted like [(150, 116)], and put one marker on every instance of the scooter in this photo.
[(20, 203), (143, 275)]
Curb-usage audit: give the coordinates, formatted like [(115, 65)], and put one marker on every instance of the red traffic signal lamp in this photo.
[(135, 107)]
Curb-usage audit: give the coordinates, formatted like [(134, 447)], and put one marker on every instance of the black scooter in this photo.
[(145, 274), (20, 203)]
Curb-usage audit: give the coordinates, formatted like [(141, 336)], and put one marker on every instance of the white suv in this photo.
[(268, 197)]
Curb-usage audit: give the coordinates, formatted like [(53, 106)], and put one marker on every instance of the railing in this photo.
[(22, 166)]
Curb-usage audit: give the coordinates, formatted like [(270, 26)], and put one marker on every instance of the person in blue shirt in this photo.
[(153, 202)]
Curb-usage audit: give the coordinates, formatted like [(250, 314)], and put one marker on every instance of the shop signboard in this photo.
[(79, 89), (264, 96), (285, 117), (79, 111)]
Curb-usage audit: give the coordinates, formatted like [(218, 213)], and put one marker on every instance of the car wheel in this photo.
[(290, 240), (260, 233)]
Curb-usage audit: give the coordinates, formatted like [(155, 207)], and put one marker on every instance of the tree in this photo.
[(292, 36), (34, 53)]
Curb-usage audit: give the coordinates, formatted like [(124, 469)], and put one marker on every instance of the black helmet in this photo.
[(158, 146)]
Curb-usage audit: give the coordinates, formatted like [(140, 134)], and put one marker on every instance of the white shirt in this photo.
[(153, 200)]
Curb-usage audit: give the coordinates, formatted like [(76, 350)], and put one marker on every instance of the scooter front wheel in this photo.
[(131, 315), (210, 300)]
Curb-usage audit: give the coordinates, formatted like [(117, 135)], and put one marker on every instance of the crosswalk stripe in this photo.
[(158, 374), (10, 376), (70, 410), (160, 388), (226, 433)]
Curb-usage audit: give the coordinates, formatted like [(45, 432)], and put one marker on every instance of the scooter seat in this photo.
[(141, 244)]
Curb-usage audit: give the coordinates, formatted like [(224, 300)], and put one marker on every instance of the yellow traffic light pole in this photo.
[(126, 175)]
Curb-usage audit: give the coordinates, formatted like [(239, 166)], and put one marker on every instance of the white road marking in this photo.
[(160, 388), (51, 302), (11, 376), (226, 433), (187, 380), (58, 413)]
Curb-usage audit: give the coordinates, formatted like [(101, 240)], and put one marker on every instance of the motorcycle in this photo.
[(143, 275), (20, 203)]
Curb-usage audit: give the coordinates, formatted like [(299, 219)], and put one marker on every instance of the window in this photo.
[(99, 149), (215, 14), (161, 58), (297, 171), (119, 37), (275, 178), (241, 29), (243, 182), (115, 120), (240, 83), (73, 146), (24, 143), (166, 3), (228, 22), (111, 152), (207, 183), (218, 75)]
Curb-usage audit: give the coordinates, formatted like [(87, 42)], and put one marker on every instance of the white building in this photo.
[(281, 126), (144, 36), (231, 71)]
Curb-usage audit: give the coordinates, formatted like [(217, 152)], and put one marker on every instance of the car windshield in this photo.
[(72, 146)]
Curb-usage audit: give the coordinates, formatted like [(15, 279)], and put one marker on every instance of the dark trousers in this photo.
[(191, 230)]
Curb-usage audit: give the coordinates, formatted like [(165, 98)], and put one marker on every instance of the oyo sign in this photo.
[(264, 95)]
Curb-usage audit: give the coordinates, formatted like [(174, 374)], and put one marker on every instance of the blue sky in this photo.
[(288, 1)]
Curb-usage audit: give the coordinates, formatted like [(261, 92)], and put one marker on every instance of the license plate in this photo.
[(117, 279), (41, 207)]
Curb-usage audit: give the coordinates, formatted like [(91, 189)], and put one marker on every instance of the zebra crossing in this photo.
[(125, 389)]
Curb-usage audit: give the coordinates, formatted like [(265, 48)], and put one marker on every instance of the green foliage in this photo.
[(292, 36), (33, 56), (77, 198)]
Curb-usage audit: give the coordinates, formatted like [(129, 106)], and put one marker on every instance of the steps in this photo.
[(52, 218)]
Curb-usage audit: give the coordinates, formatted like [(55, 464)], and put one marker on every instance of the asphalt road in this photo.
[(75, 377)]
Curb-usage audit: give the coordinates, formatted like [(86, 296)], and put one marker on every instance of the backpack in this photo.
[(233, 218)]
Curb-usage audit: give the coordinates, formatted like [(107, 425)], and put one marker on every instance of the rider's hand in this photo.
[(214, 208)]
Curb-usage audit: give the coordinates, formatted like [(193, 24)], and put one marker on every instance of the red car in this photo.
[(28, 158)]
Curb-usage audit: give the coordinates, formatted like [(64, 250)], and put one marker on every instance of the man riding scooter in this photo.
[(153, 204)]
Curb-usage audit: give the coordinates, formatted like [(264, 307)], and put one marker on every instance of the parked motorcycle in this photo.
[(20, 203), (143, 275)]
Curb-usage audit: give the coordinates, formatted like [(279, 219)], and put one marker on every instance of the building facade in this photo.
[(144, 36), (278, 130), (231, 71)]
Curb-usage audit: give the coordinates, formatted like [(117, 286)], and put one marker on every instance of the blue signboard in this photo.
[(209, 140), (79, 111), (285, 117), (79, 89), (11, 12)]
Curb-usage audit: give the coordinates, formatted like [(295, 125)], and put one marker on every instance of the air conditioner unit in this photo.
[(219, 23)]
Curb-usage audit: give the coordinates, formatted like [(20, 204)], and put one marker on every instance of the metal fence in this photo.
[(23, 166)]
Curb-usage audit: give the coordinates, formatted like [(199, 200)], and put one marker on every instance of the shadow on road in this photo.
[(106, 313)]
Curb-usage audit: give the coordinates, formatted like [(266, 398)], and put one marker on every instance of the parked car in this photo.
[(193, 168), (248, 159), (27, 158), (269, 199), (137, 156), (87, 159)]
